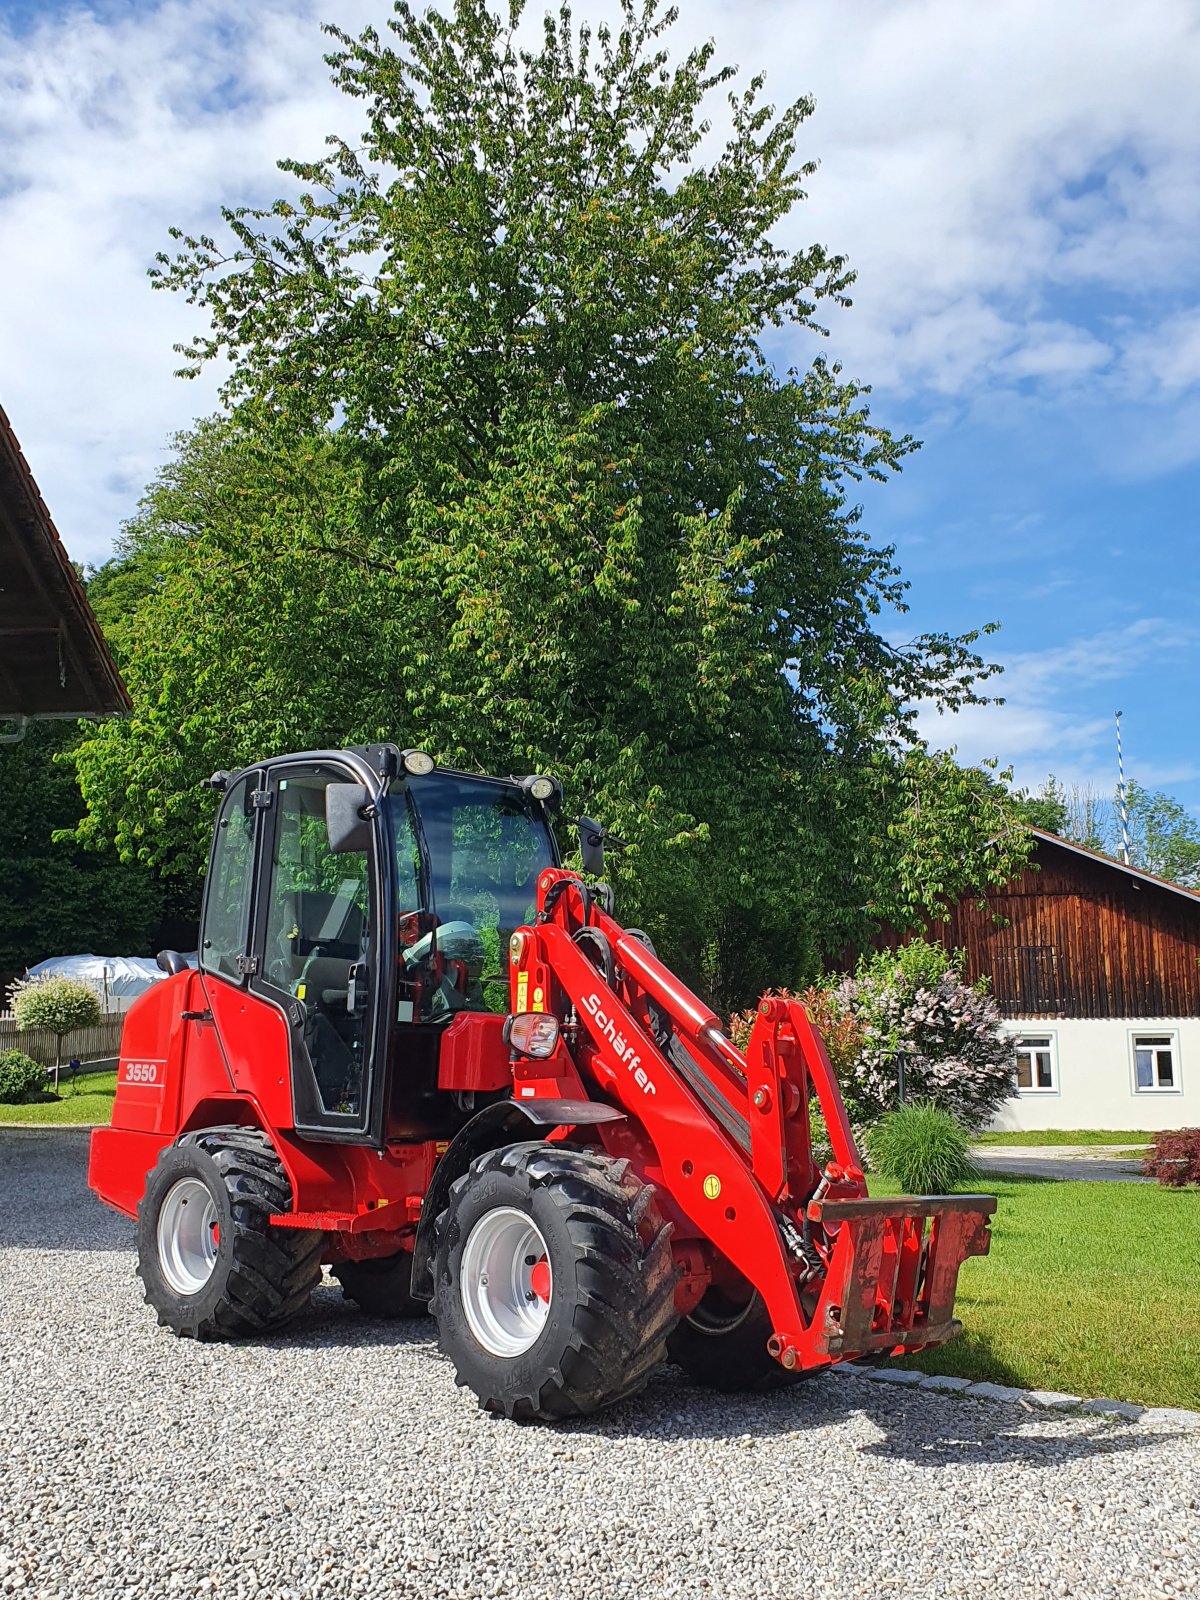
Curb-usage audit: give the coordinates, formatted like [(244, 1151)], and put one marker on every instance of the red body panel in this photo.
[(230, 1064), (724, 1136)]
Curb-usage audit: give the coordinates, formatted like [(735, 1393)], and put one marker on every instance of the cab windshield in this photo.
[(461, 897)]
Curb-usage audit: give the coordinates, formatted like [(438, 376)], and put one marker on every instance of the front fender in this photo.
[(504, 1122)]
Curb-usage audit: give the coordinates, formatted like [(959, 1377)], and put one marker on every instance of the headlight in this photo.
[(542, 788), (417, 763), (532, 1033)]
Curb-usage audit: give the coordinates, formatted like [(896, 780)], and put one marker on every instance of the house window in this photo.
[(1037, 1069), (1155, 1065)]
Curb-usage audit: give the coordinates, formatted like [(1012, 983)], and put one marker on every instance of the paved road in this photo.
[(340, 1460), (1095, 1163)]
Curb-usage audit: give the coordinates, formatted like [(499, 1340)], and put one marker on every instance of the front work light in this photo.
[(546, 791), (532, 1033), (417, 763)]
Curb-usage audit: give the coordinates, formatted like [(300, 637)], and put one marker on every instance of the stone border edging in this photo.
[(1030, 1399)]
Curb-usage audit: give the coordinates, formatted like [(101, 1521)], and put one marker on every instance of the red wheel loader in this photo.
[(419, 1051)]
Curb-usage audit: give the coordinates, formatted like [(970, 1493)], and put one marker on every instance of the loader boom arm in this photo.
[(841, 1274)]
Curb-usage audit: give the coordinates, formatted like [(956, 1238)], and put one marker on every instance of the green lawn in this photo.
[(91, 1100), (1051, 1136), (1090, 1289)]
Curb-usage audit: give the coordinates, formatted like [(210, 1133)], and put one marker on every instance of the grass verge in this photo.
[(1052, 1136), (1090, 1289), (90, 1100)]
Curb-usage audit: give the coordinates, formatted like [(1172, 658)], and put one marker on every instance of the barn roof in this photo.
[(53, 658), (1118, 866)]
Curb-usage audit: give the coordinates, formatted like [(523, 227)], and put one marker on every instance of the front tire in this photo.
[(554, 1284), (211, 1264)]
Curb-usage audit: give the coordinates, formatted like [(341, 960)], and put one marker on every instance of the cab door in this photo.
[(316, 952)]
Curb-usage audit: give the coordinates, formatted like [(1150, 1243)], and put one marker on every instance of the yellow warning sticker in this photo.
[(522, 991), (712, 1186), (539, 998)]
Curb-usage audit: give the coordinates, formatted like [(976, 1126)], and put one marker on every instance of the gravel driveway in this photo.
[(341, 1460)]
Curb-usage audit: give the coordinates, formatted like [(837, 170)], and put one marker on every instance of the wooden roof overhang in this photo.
[(53, 658), (1135, 874)]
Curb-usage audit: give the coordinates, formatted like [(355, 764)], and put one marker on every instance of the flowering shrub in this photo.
[(912, 1002), (839, 1028), (1174, 1158)]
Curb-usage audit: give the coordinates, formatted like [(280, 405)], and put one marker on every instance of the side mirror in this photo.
[(347, 827), (591, 846)]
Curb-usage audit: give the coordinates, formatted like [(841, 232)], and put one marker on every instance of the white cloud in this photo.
[(109, 134), (1018, 185), (1049, 722)]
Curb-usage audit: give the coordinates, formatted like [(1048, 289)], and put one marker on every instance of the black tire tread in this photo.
[(625, 1278), (274, 1270), (381, 1287)]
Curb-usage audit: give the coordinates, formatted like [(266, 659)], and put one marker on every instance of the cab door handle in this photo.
[(358, 978)]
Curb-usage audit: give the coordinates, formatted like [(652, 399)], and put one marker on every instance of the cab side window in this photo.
[(227, 894)]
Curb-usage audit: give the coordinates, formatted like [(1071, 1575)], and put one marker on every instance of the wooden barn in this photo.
[(1096, 968)]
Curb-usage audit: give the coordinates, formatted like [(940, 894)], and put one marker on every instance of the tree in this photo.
[(60, 1005), (1079, 813), (507, 473), (1164, 837), (55, 897)]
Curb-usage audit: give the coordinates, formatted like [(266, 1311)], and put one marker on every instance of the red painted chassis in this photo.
[(723, 1135)]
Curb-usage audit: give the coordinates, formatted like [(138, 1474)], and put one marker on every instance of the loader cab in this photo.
[(368, 905)]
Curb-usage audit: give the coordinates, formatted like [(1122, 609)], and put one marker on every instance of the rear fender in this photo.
[(505, 1122)]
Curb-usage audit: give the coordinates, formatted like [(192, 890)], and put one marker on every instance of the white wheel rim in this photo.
[(505, 1282), (188, 1236)]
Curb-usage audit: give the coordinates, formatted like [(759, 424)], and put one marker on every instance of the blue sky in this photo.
[(1017, 184)]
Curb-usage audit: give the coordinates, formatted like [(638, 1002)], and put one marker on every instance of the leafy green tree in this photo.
[(55, 897), (508, 473), (1164, 836)]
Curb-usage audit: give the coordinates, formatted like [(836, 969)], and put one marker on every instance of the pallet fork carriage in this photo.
[(420, 1051)]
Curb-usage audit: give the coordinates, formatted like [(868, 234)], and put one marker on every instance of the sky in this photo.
[(1017, 185)]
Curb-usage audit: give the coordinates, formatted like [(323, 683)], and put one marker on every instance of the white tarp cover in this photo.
[(114, 978)]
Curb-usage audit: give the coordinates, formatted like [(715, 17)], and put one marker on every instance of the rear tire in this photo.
[(382, 1286), (568, 1290), (210, 1262), (723, 1345)]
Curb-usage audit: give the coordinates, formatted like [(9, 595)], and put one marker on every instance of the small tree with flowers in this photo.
[(60, 1005)]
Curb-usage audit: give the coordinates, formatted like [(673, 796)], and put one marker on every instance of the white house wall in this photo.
[(1095, 1076)]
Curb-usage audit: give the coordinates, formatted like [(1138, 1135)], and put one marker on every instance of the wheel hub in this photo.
[(188, 1236), (506, 1282)]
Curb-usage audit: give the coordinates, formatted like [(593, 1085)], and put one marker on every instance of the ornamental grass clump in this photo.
[(923, 1149)]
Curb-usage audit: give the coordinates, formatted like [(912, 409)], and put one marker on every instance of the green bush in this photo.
[(923, 1149), (20, 1077)]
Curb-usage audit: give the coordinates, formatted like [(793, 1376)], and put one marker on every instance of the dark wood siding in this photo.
[(1077, 937)]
